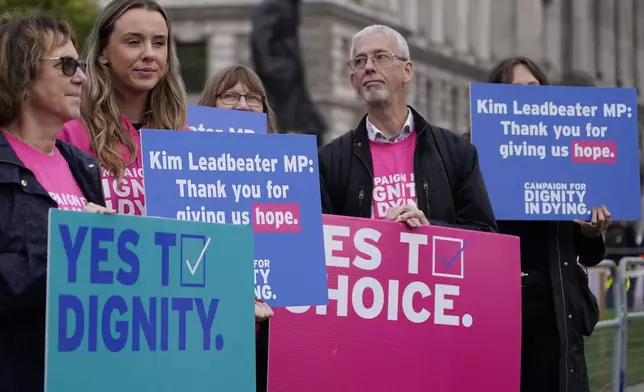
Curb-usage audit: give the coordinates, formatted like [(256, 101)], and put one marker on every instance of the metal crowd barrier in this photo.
[(624, 264), (620, 322), (616, 323)]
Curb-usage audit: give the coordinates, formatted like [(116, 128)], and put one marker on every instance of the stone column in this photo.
[(410, 14), (221, 51), (431, 105), (503, 37), (419, 92), (451, 27), (462, 108), (638, 14), (436, 21), (582, 59), (440, 101), (461, 23), (606, 45), (552, 37), (479, 32), (625, 46), (529, 15)]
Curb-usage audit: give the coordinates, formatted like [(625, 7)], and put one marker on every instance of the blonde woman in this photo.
[(134, 82)]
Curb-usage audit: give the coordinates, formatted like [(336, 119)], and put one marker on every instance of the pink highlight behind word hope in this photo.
[(594, 151), (432, 309), (276, 217)]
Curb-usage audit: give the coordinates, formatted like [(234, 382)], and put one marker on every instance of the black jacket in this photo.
[(24, 212), (558, 307), (449, 185)]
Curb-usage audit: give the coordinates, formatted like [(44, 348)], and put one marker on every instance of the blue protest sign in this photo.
[(148, 304), (268, 181), (554, 153), (209, 119)]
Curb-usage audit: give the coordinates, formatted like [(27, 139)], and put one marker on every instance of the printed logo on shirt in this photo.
[(127, 195), (391, 191), (67, 201)]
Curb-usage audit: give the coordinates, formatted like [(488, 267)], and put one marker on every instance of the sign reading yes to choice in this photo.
[(141, 304), (431, 293)]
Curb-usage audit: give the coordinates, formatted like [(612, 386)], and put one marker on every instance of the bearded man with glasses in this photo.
[(395, 165)]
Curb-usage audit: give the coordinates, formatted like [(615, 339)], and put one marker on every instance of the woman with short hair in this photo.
[(41, 80)]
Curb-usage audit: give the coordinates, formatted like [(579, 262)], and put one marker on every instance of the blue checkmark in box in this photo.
[(193, 260), (448, 257)]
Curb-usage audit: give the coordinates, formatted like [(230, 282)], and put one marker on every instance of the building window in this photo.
[(193, 58)]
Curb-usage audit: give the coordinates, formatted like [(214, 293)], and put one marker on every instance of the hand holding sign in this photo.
[(600, 220), (263, 312), (91, 207), (408, 213)]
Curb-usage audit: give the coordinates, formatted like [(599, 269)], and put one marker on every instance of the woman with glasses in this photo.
[(239, 88), (134, 82), (41, 81)]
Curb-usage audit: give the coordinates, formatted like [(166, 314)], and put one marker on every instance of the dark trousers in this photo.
[(539, 340), (261, 357)]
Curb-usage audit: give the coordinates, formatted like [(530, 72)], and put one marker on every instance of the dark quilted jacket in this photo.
[(24, 208)]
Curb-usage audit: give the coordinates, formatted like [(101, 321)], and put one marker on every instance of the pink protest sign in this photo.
[(431, 309)]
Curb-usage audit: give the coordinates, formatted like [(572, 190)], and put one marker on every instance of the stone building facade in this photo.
[(452, 42)]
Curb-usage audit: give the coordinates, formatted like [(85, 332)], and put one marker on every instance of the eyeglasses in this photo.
[(232, 98), (380, 59), (69, 65)]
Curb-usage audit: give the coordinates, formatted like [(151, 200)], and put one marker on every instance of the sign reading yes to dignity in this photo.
[(148, 304), (417, 309)]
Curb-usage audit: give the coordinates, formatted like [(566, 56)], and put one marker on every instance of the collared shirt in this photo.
[(377, 136)]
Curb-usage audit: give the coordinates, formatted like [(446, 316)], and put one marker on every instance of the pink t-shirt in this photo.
[(52, 172), (126, 196), (393, 175)]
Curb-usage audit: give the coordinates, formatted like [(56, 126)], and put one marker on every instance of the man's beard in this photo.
[(376, 96)]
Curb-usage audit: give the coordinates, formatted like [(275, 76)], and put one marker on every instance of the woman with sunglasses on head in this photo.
[(558, 308), (40, 87), (239, 88), (134, 82)]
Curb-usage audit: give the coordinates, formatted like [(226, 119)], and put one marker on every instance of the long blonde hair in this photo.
[(167, 102), (227, 78)]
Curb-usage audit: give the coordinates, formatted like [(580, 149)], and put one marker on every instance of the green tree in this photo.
[(80, 14)]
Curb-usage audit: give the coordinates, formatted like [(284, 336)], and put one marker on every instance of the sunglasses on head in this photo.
[(68, 64)]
